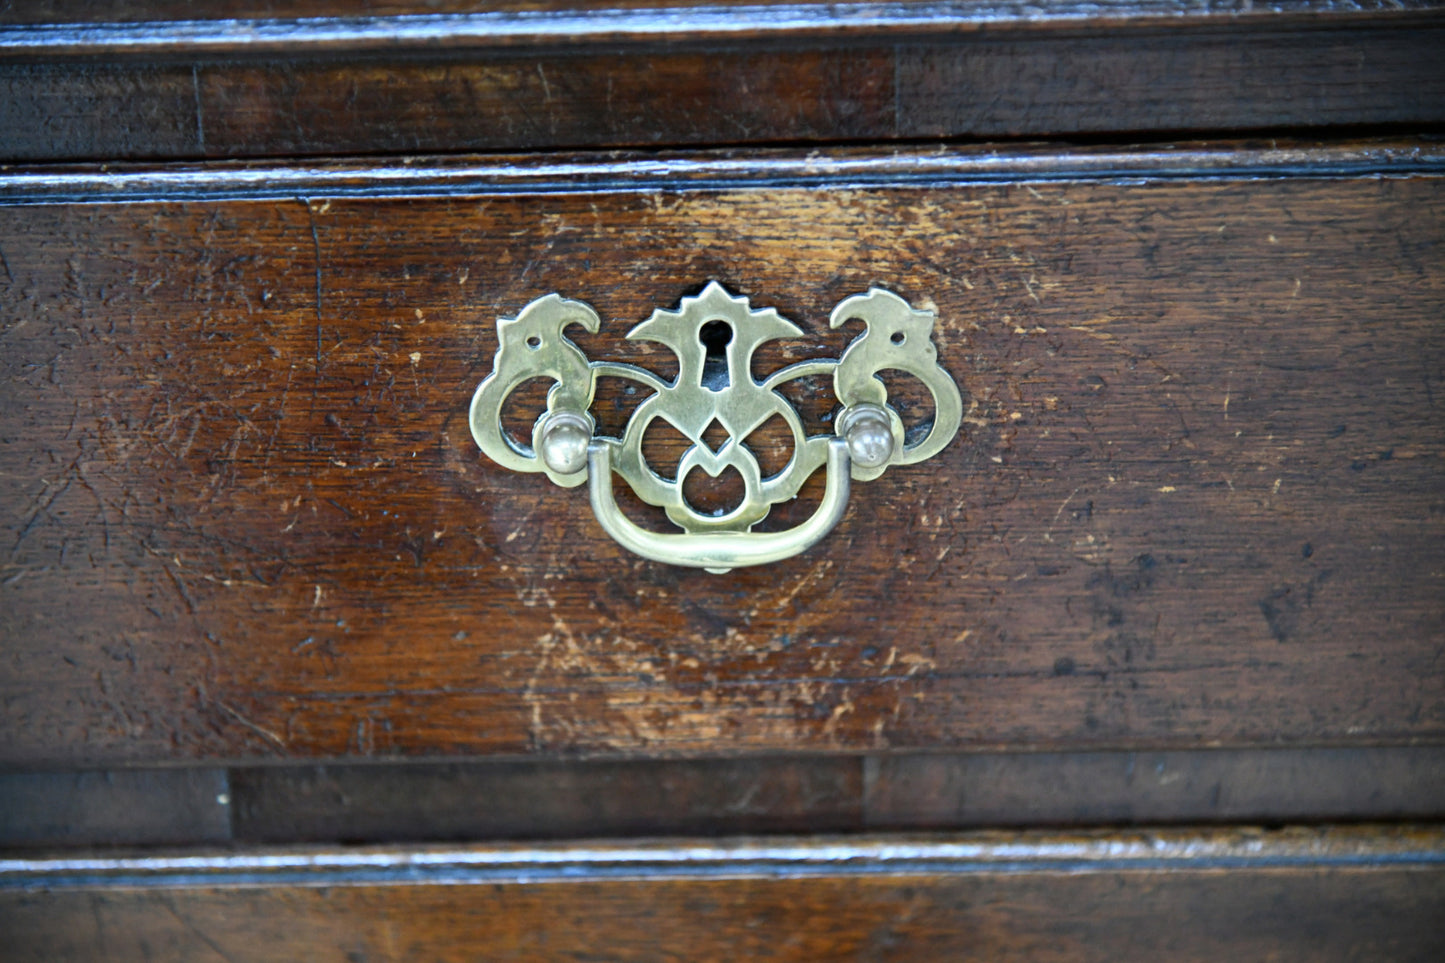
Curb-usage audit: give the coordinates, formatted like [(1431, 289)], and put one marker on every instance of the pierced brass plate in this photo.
[(868, 433)]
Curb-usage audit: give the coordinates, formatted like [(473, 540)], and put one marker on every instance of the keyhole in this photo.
[(715, 336)]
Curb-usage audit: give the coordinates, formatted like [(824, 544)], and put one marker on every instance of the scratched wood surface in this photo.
[(1197, 499), (1343, 894), (579, 76)]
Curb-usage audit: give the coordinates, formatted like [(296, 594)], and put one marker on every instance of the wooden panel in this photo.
[(667, 97), (1169, 83), (515, 79), (1294, 895), (1134, 788), (1198, 500), (147, 807), (98, 110), (519, 800), (552, 800), (587, 799)]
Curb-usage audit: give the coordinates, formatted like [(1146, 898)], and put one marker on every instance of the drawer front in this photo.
[(1197, 497), (425, 76)]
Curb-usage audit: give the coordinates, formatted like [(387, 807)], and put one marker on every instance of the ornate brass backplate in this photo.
[(868, 433)]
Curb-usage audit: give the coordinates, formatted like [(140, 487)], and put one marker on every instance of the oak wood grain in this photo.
[(1197, 500)]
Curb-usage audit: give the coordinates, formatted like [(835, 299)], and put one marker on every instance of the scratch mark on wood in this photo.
[(42, 507), (194, 930), (266, 734), (1048, 532), (200, 117), (316, 258), (180, 588)]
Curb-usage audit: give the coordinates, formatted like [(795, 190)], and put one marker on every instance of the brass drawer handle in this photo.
[(714, 336)]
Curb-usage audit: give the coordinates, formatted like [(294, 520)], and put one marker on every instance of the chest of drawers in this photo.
[(291, 670)]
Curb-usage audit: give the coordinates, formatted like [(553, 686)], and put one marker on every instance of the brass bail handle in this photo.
[(868, 434)]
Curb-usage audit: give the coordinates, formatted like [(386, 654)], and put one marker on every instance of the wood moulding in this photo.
[(1321, 894), (62, 29), (912, 166)]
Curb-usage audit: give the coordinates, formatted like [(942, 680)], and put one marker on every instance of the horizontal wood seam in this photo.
[(764, 169), (995, 853)]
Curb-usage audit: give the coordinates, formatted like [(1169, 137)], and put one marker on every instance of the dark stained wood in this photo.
[(551, 800), (1197, 500), (1184, 567), (1340, 894), (1140, 788), (120, 807), (583, 799), (1168, 82), (97, 110), (495, 80)]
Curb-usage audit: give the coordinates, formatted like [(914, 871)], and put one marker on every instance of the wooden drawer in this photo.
[(1196, 500)]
